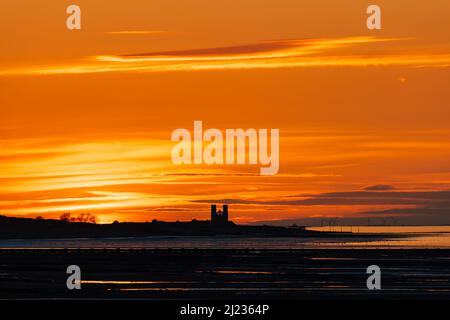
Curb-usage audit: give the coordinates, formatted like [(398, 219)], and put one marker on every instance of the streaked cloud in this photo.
[(339, 52), (138, 32), (350, 198), (379, 187), (415, 207)]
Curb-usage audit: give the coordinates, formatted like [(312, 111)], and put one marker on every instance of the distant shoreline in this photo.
[(20, 228), (41, 229)]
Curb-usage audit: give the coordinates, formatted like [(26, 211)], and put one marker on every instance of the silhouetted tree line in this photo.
[(82, 217)]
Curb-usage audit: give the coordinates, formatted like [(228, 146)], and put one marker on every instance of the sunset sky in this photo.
[(364, 115)]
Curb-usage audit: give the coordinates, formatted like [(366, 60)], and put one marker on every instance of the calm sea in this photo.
[(411, 237)]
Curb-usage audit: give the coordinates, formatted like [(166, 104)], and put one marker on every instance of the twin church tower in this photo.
[(219, 216)]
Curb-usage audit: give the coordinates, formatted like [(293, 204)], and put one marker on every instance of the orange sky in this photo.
[(86, 116)]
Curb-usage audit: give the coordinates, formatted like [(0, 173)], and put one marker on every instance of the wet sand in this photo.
[(224, 274)]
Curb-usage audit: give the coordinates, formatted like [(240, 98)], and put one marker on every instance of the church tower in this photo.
[(219, 216)]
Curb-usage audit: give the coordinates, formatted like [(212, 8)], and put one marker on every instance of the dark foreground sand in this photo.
[(224, 274)]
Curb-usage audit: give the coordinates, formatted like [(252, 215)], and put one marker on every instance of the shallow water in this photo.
[(227, 274), (435, 237)]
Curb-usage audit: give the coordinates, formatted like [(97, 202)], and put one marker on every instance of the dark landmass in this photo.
[(224, 274), (25, 228)]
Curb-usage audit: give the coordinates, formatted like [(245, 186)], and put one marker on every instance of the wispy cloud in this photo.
[(379, 187), (355, 198), (138, 32), (263, 55), (426, 207)]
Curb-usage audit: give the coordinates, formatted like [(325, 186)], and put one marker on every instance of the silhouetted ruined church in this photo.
[(219, 216)]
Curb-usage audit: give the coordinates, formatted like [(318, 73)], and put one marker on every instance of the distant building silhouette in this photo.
[(219, 216)]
